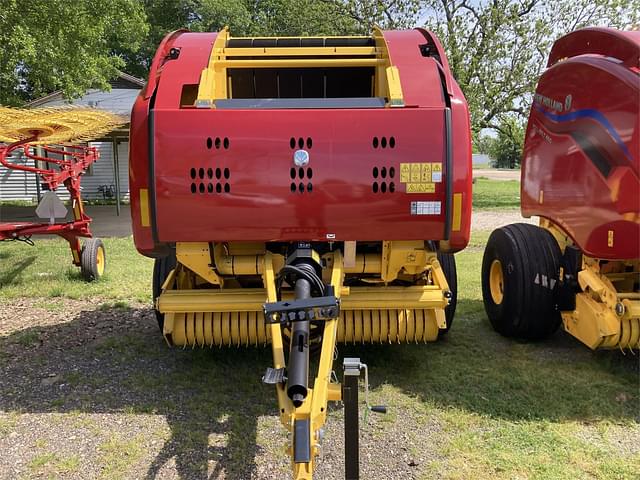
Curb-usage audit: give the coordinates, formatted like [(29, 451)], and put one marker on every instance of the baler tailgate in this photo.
[(230, 175)]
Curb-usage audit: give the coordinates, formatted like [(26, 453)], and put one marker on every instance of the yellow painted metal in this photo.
[(207, 317), (214, 83), (100, 261), (496, 282), (300, 51), (365, 263), (607, 313), (602, 319), (387, 79), (144, 208), (197, 257), (392, 297), (456, 222), (301, 63), (213, 79), (274, 330), (409, 256), (394, 87), (211, 300), (369, 315), (236, 264)]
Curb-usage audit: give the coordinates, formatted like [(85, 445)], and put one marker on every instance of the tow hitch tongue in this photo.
[(314, 304)]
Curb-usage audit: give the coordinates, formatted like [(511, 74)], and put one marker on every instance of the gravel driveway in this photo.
[(488, 220)]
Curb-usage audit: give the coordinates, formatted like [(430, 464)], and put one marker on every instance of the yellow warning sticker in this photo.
[(420, 177), (405, 171), (416, 168), (426, 173), (421, 188)]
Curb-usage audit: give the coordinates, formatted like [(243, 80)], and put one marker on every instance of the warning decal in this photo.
[(420, 177)]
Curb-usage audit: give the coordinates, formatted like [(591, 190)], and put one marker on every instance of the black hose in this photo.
[(302, 270)]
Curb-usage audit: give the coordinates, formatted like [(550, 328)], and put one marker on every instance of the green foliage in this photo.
[(496, 49), (243, 17), (50, 45), (505, 150)]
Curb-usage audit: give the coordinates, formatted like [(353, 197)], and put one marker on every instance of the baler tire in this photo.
[(520, 270), (92, 259), (448, 264), (161, 269)]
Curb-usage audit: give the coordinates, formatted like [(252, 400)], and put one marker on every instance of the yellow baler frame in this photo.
[(214, 83), (205, 308), (605, 316)]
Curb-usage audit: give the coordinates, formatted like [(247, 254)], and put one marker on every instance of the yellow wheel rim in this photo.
[(496, 282), (100, 261)]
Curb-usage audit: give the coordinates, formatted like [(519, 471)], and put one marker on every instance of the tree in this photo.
[(496, 48), (505, 150), (243, 17), (50, 45)]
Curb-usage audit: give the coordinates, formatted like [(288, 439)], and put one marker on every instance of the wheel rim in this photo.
[(496, 282), (100, 261)]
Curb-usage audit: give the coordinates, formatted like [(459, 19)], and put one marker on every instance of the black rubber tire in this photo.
[(93, 259), (530, 262), (161, 269), (448, 264)]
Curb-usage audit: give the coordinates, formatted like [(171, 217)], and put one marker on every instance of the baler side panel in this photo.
[(581, 156), (422, 84), (142, 219), (190, 61)]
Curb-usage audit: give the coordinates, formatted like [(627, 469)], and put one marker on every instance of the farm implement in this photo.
[(45, 137), (580, 175), (302, 192)]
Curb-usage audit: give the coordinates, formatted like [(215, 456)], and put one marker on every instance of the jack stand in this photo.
[(352, 367)]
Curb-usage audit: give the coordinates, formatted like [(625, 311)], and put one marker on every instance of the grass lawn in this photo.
[(46, 270), (496, 194), (472, 406)]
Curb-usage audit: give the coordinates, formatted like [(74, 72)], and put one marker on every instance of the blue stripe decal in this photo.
[(592, 114)]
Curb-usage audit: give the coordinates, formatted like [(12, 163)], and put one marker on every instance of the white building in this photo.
[(101, 180)]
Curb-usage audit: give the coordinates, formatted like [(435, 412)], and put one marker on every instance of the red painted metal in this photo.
[(66, 170), (581, 158), (260, 205)]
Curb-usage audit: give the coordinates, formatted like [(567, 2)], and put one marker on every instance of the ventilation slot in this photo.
[(299, 175), (383, 142), (206, 182), (383, 179)]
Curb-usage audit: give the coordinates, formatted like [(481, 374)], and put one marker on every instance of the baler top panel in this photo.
[(581, 158), (287, 139)]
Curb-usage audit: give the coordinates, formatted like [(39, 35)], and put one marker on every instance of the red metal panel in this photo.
[(260, 204), (582, 151), (421, 84)]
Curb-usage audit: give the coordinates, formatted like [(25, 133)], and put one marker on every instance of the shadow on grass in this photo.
[(474, 369), (114, 361), (9, 276)]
